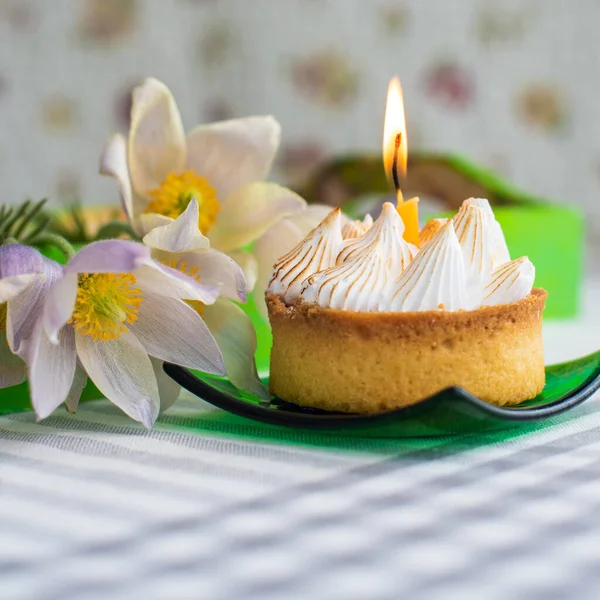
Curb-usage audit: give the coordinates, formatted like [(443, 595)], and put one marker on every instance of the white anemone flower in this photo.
[(180, 245), (223, 165), (114, 314), (25, 276)]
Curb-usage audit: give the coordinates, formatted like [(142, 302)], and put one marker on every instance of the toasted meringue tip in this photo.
[(445, 231), (389, 216), (333, 219), (526, 267), (355, 229), (483, 203), (470, 208), (318, 250), (431, 228), (388, 208)]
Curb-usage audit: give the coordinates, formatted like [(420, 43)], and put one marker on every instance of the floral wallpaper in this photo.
[(512, 83)]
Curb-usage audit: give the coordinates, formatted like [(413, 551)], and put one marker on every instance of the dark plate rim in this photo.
[(324, 420)]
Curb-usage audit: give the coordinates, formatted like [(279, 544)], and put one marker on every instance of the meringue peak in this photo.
[(315, 253), (510, 282), (435, 280), (358, 284), (431, 228), (475, 236), (355, 229), (388, 230), (494, 235), (365, 268)]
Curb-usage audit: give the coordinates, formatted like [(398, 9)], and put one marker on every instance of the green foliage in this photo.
[(27, 224)]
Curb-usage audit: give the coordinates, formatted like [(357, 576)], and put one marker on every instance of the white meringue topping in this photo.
[(499, 249), (358, 284), (389, 229), (365, 271), (431, 228), (354, 229), (463, 264), (315, 253), (435, 280), (510, 282), (474, 232)]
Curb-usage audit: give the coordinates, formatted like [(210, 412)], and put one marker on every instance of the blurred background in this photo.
[(513, 84)]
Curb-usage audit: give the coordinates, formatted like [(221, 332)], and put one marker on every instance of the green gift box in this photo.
[(553, 237)]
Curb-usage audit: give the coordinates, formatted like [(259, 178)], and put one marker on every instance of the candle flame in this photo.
[(395, 146)]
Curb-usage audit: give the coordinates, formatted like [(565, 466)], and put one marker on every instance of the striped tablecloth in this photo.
[(211, 506)]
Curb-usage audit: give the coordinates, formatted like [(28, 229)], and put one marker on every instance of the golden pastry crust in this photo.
[(369, 362)]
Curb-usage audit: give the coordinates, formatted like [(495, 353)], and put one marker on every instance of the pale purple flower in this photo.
[(115, 314), (25, 276)]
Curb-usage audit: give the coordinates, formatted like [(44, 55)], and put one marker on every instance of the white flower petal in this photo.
[(109, 256), (113, 162), (149, 221), (12, 286), (277, 241), (79, 382), (25, 309), (170, 330), (12, 368), (51, 369), (59, 305), (236, 337), (233, 153), (215, 269), (247, 263), (156, 137), (122, 371), (180, 235), (167, 388), (161, 280), (249, 211)]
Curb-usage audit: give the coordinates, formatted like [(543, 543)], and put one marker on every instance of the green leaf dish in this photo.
[(451, 411)]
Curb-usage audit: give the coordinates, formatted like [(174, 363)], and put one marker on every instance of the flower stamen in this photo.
[(174, 194), (190, 271), (105, 303), (183, 267)]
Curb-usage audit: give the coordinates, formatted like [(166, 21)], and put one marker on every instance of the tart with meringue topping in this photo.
[(365, 322)]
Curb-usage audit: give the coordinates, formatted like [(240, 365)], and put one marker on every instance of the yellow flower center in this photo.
[(3, 311), (105, 303), (174, 194), (196, 305), (193, 272)]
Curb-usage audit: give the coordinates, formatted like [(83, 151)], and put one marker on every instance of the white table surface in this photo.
[(571, 338)]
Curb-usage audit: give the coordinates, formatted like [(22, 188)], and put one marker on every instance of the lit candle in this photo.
[(395, 151)]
